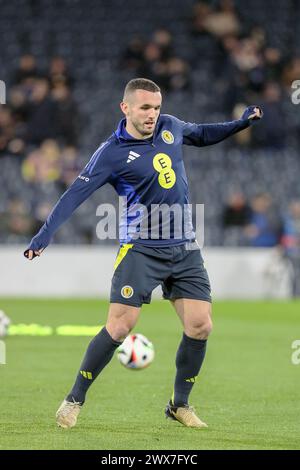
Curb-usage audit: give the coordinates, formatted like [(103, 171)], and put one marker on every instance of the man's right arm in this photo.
[(96, 173)]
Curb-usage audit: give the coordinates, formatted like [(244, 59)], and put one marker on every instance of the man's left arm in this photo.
[(201, 135)]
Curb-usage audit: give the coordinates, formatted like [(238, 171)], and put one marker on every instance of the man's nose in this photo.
[(152, 114)]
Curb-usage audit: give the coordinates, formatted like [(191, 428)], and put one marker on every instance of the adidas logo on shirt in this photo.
[(132, 156)]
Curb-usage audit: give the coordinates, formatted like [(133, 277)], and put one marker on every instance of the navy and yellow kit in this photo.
[(149, 174), (139, 269)]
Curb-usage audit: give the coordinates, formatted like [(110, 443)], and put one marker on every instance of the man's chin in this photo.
[(146, 134)]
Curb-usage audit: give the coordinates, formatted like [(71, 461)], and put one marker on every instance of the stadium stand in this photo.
[(65, 68)]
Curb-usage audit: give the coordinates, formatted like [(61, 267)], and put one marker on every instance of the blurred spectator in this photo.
[(258, 36), (19, 109), (164, 40), (201, 13), (152, 66), (18, 104), (66, 114), (272, 132), (290, 242), (7, 128), (171, 74), (247, 58), (27, 70), (157, 61), (133, 56), (42, 114), (50, 163), (17, 221), (218, 23), (59, 73), (265, 226), (223, 21), (43, 164), (178, 74), (274, 63), (237, 212), (235, 217)]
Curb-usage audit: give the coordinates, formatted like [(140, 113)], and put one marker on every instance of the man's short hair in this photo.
[(141, 84)]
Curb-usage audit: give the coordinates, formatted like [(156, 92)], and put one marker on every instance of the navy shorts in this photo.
[(140, 269)]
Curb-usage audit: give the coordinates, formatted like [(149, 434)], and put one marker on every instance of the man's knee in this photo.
[(121, 320), (199, 325), (119, 332), (206, 328), (199, 330)]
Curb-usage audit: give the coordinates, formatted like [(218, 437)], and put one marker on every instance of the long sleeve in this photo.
[(96, 173), (201, 135)]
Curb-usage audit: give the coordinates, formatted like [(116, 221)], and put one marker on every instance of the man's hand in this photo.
[(31, 254), (253, 113), (257, 114)]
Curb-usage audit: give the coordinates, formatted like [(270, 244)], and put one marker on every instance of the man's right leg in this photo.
[(121, 320)]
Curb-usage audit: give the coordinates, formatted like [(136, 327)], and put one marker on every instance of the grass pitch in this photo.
[(247, 392)]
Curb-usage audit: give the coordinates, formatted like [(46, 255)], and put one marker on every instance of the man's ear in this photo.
[(124, 107)]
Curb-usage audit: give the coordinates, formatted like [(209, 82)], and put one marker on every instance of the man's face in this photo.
[(142, 109)]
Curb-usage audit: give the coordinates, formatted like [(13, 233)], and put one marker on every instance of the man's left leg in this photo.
[(195, 316)]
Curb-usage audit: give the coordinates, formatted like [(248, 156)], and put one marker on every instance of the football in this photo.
[(136, 352), (4, 324)]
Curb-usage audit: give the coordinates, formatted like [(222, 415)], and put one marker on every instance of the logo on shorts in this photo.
[(167, 137), (127, 292)]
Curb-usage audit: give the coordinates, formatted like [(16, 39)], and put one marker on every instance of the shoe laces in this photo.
[(70, 405), (189, 409), (185, 407)]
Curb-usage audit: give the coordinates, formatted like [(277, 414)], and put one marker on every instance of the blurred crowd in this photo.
[(157, 60), (40, 106), (40, 126), (258, 223), (247, 69)]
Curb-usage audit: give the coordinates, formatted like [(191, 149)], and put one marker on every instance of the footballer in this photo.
[(143, 161)]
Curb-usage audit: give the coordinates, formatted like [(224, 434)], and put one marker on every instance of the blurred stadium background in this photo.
[(65, 64)]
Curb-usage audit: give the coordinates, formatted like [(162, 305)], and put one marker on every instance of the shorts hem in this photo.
[(205, 299), (124, 302)]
